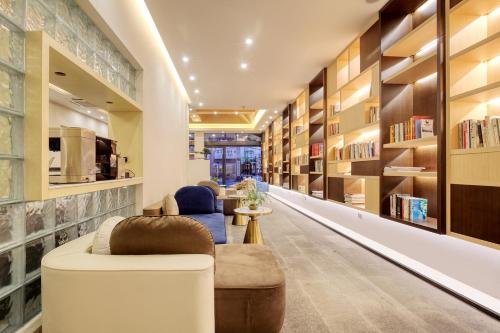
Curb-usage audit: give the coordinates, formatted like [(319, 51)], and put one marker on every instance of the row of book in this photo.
[(334, 109), (318, 166), (317, 194), (416, 127), (354, 198), (479, 133), (373, 114), (334, 129), (301, 160), (355, 151), (317, 149), (406, 207)]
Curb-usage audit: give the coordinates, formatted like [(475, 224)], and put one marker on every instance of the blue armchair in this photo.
[(200, 203)]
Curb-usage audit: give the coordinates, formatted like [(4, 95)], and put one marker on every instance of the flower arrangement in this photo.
[(255, 198)]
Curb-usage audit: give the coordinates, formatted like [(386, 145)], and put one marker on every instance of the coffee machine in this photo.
[(106, 159), (72, 155)]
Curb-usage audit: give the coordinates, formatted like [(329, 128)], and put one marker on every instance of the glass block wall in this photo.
[(28, 230)]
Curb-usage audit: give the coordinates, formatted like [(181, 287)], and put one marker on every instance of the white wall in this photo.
[(165, 107), (60, 115), (466, 268)]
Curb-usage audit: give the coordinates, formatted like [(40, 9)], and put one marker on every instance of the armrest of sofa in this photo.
[(153, 210), (126, 294)]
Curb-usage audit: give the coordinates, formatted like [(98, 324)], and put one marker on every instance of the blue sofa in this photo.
[(200, 203)]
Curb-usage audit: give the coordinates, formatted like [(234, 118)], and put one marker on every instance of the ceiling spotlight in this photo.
[(102, 117), (275, 111), (236, 112), (190, 109), (185, 59), (249, 41), (89, 112), (200, 104), (270, 117), (192, 78), (197, 91), (215, 112), (244, 65)]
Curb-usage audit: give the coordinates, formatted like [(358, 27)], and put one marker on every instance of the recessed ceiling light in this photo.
[(185, 59), (270, 117), (244, 65), (236, 112), (215, 112), (200, 104), (192, 78), (275, 111), (249, 41), (197, 91), (89, 112), (102, 117)]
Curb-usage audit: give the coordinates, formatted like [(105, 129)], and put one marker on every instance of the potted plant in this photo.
[(255, 198)]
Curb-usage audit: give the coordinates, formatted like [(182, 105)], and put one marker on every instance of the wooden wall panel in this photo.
[(370, 46), (336, 189), (476, 212)]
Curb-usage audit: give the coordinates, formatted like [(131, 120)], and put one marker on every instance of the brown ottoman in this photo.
[(249, 290)]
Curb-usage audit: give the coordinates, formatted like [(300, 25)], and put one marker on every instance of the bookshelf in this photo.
[(265, 155), (317, 152), (352, 121), (299, 136), (286, 157), (411, 96), (277, 144), (474, 102)]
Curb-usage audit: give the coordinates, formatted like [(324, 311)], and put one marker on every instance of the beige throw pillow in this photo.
[(169, 205), (103, 234)]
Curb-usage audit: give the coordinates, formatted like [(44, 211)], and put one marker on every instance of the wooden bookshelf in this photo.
[(473, 183), (265, 155), (286, 147), (277, 128), (299, 137), (412, 85), (317, 120), (354, 76)]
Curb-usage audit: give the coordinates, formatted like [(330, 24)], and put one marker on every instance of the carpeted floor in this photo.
[(334, 285)]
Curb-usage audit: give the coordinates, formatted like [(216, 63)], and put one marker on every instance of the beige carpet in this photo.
[(334, 285)]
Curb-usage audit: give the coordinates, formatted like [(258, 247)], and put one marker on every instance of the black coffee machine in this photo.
[(106, 159)]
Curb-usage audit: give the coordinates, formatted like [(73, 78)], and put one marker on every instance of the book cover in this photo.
[(426, 128)]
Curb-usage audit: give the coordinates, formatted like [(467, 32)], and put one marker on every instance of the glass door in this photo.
[(231, 164)]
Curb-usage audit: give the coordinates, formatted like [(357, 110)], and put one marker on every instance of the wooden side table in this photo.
[(253, 235)]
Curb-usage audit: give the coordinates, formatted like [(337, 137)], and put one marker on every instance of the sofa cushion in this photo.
[(213, 185), (249, 289), (195, 200), (143, 235), (169, 205), (102, 235), (215, 223)]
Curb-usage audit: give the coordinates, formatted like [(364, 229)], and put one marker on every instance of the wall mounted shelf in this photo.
[(427, 141)]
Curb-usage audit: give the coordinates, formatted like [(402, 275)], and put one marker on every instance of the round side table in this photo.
[(253, 235), (237, 218)]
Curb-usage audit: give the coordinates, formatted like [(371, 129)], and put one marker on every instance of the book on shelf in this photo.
[(301, 159), (406, 207), (416, 127), (355, 151), (318, 166), (317, 193), (317, 149), (354, 198), (298, 129), (334, 109), (474, 133), (334, 129), (286, 185), (403, 169), (373, 114)]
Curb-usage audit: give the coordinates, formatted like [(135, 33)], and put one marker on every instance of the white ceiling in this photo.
[(292, 41)]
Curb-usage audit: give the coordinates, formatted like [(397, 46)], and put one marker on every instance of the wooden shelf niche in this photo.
[(317, 142), (474, 96), (286, 145), (411, 74), (352, 119), (300, 143), (44, 58), (277, 151)]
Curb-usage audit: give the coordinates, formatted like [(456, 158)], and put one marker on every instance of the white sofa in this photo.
[(84, 292)]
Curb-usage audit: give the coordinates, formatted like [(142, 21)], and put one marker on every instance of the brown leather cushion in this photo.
[(210, 183), (249, 290), (142, 235)]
